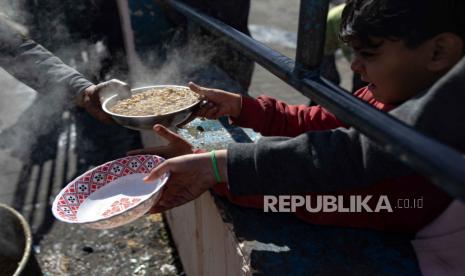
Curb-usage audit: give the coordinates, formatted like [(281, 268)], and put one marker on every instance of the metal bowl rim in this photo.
[(27, 239)]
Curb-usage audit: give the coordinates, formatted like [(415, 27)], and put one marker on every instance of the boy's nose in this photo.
[(357, 66)]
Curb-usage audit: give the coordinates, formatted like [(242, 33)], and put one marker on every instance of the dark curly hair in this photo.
[(412, 21)]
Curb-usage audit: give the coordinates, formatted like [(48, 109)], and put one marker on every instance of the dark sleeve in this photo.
[(38, 68), (33, 65), (322, 161), (312, 162)]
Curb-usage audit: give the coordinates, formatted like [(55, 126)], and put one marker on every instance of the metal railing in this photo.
[(405, 143)]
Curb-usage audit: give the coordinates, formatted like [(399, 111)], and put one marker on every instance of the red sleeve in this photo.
[(272, 117)]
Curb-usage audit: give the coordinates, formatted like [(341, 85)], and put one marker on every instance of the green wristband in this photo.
[(215, 166)]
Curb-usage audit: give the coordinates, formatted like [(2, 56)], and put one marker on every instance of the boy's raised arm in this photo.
[(272, 117)]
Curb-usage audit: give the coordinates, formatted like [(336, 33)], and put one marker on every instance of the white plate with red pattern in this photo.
[(111, 194)]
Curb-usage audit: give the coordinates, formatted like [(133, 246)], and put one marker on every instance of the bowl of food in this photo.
[(111, 194), (168, 105)]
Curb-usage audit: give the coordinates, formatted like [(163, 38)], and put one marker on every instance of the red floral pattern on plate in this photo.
[(76, 192), (120, 205)]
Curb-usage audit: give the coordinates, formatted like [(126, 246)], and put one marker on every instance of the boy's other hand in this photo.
[(176, 145), (220, 103)]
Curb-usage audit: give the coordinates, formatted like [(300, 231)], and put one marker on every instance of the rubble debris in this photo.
[(140, 248)]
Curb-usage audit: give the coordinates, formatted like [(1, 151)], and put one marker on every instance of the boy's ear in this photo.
[(446, 51)]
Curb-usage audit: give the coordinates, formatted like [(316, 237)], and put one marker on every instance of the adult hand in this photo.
[(220, 103), (191, 175), (90, 101), (176, 145), (94, 95)]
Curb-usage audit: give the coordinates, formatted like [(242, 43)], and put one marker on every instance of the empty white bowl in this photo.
[(111, 194)]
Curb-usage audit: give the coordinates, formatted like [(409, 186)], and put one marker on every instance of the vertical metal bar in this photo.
[(311, 34)]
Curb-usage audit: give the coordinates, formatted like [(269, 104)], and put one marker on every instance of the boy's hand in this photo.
[(177, 145), (190, 176), (220, 103)]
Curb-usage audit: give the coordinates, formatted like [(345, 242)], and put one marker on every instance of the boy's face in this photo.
[(394, 71)]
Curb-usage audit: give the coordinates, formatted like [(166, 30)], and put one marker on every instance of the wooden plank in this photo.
[(213, 235), (182, 222), (206, 245)]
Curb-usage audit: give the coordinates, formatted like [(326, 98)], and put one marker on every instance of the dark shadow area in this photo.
[(280, 244)]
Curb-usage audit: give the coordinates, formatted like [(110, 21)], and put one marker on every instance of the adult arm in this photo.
[(33, 65)]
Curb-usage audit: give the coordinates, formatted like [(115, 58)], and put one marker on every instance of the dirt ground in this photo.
[(140, 248)]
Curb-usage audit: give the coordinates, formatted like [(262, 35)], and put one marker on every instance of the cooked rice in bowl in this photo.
[(156, 101)]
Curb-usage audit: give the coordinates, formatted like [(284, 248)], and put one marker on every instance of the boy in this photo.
[(401, 52)]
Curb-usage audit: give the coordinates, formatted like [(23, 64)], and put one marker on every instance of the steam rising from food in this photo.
[(180, 64)]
